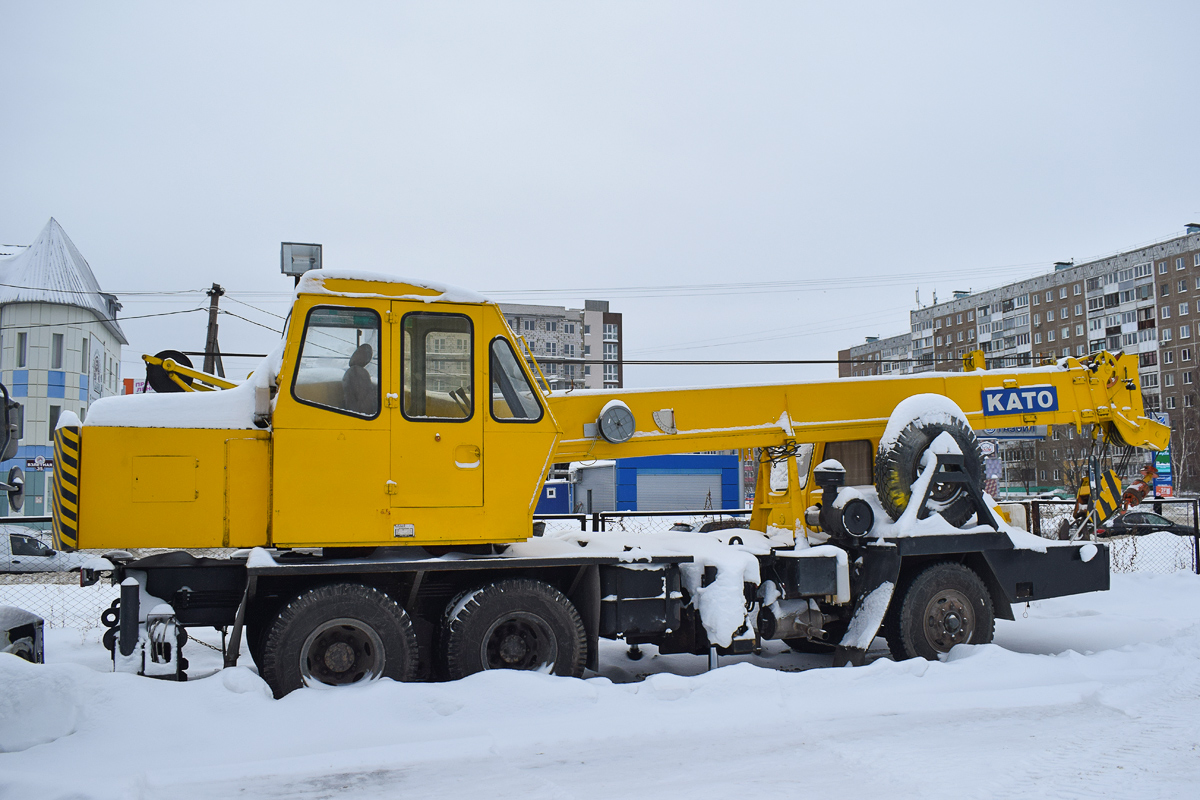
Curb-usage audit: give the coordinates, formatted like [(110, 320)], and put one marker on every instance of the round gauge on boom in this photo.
[(616, 423)]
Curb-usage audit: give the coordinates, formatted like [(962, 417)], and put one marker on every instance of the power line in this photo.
[(252, 322), (114, 319)]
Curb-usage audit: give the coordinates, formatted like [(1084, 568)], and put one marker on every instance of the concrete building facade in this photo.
[(1144, 300), (60, 347), (576, 348)]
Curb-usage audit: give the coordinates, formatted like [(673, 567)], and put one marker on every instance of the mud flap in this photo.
[(880, 572)]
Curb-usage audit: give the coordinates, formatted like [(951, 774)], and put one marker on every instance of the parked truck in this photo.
[(377, 477)]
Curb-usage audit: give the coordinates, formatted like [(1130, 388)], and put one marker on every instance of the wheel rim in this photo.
[(949, 620), (340, 652), (519, 640)]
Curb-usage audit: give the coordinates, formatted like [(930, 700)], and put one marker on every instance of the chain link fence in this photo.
[(63, 603), (1155, 552)]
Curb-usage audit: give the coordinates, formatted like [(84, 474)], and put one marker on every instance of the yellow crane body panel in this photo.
[(397, 414)]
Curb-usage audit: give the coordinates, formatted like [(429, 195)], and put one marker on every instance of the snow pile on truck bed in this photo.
[(1090, 696), (231, 409)]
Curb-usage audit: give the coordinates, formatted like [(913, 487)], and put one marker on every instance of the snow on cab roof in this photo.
[(315, 282), (52, 270)]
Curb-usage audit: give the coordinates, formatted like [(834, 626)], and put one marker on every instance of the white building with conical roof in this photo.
[(60, 346)]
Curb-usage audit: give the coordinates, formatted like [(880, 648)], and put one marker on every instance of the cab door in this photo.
[(437, 434)]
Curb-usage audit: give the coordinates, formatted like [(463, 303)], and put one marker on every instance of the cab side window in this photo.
[(437, 368), (513, 399), (339, 361)]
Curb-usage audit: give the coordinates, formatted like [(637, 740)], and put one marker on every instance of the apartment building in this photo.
[(876, 356), (576, 348), (1144, 301)]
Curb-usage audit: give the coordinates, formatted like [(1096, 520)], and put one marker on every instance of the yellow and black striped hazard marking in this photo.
[(1108, 499), (65, 507)]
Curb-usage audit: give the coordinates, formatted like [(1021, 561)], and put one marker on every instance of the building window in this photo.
[(1078, 289), (1185, 331), (960, 336), (54, 412), (1168, 357), (971, 335), (1183, 309), (1179, 263), (569, 350), (56, 351), (610, 332), (610, 372), (552, 326), (1079, 309), (1166, 334), (1169, 402), (1066, 333), (551, 347), (1062, 293), (1080, 349), (958, 320), (1050, 296), (939, 341), (1079, 330), (1037, 338), (84, 360), (22, 348), (1162, 268), (1165, 312), (1050, 336), (587, 370), (1050, 316), (610, 352), (1164, 290), (1057, 475), (530, 325), (1066, 351), (1187, 401), (1187, 379), (1168, 379), (568, 327)]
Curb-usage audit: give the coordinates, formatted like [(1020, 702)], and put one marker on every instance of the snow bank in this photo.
[(37, 705), (1032, 718)]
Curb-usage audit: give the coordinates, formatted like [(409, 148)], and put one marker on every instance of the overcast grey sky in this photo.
[(868, 147)]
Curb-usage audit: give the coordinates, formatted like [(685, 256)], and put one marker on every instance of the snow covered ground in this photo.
[(1095, 695)]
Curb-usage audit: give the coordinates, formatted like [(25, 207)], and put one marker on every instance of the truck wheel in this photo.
[(898, 466), (338, 634), (513, 624), (944, 605)]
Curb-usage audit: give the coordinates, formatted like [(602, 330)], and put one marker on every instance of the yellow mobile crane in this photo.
[(388, 456)]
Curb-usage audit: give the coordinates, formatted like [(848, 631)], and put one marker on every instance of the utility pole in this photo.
[(212, 355)]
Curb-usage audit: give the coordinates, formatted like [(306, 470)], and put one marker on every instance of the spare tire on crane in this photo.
[(912, 427)]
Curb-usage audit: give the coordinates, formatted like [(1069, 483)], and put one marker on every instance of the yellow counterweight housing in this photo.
[(401, 414)]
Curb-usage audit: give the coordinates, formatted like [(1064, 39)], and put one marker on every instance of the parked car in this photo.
[(21, 634), (22, 550), (1140, 523)]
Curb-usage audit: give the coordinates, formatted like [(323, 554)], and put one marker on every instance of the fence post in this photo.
[(1035, 517), (1196, 536)]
